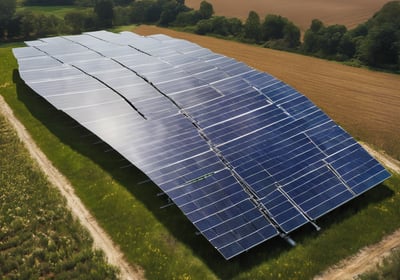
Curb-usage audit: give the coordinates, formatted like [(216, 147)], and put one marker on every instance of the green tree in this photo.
[(291, 35), (79, 21), (145, 11), (381, 47), (203, 27), (347, 46), (360, 31), (48, 2), (168, 14), (235, 26), (311, 38), (7, 11), (272, 27), (252, 27), (104, 12), (48, 25), (29, 24), (206, 10), (330, 38), (279, 29), (123, 2), (122, 15), (14, 27), (188, 18), (316, 25), (76, 21), (220, 25), (325, 41), (170, 10), (84, 3)]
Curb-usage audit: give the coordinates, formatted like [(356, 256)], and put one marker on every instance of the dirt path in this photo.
[(370, 256), (100, 237), (365, 260), (386, 160)]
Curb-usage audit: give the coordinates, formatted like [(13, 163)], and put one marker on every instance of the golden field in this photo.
[(347, 12)]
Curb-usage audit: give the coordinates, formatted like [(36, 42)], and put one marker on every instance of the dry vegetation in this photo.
[(364, 102), (347, 12)]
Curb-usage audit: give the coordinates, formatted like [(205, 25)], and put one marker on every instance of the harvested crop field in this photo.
[(347, 12), (364, 102)]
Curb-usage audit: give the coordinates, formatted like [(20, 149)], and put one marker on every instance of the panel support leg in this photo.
[(316, 226), (289, 240)]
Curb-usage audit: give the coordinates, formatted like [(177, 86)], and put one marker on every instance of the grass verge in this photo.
[(121, 28), (58, 11), (162, 241), (38, 236)]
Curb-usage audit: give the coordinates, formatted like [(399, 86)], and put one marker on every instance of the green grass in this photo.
[(121, 28), (163, 241), (38, 236), (12, 45), (58, 11)]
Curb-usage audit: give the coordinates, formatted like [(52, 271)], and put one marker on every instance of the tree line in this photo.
[(375, 43)]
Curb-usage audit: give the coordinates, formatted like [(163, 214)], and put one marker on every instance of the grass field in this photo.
[(162, 241), (58, 11), (39, 239), (347, 12)]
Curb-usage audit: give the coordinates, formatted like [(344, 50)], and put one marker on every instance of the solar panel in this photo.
[(243, 155)]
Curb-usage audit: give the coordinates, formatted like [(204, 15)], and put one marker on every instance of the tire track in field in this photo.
[(101, 240)]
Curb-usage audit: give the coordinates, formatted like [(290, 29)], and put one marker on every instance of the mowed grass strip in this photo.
[(39, 238), (364, 102), (58, 11), (162, 241)]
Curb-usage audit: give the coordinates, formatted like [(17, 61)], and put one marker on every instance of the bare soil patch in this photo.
[(364, 102), (100, 237), (347, 12)]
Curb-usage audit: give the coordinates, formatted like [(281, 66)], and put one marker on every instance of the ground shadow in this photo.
[(137, 183)]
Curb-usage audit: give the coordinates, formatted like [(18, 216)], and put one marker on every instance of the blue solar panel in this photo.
[(243, 155)]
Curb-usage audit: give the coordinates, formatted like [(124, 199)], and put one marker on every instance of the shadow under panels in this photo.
[(243, 155)]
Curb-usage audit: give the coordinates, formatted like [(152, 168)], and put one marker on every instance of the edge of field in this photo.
[(272, 259)]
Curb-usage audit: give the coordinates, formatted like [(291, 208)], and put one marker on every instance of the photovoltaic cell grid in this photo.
[(242, 154)]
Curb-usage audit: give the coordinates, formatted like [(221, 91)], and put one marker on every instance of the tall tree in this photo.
[(206, 10), (252, 27), (291, 35), (104, 12), (381, 47), (7, 11), (272, 27), (169, 13)]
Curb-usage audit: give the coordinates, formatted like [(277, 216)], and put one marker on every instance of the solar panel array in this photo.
[(243, 155)]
